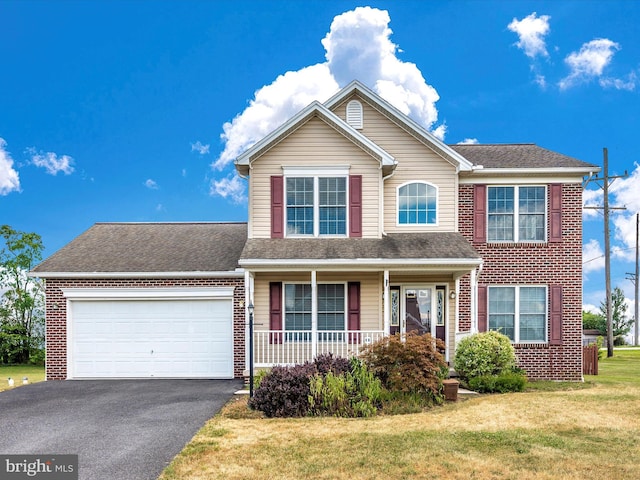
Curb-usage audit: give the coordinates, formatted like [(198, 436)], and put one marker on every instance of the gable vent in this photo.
[(354, 114)]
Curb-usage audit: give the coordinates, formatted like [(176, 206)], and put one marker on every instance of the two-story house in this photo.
[(360, 224)]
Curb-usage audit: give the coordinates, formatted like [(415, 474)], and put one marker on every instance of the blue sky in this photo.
[(133, 110)]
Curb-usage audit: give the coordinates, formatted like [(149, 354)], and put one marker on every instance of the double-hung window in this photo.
[(417, 204), (519, 312), (331, 315), (316, 206), (516, 214)]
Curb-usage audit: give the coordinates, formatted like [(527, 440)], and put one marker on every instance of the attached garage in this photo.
[(147, 300), (150, 333)]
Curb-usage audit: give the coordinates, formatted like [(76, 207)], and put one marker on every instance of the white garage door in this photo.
[(176, 338)]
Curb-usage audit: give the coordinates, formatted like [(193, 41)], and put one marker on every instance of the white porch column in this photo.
[(314, 314), (248, 299), (474, 302), (387, 304)]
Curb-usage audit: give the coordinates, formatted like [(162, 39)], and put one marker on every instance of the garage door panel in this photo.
[(151, 338)]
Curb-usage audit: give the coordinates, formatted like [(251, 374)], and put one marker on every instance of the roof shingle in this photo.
[(150, 247)]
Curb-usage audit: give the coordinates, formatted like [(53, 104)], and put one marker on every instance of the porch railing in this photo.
[(290, 347)]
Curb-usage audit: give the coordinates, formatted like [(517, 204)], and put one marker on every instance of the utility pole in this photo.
[(606, 181), (634, 278)]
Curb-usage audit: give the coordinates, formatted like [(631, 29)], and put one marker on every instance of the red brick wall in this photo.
[(56, 314), (542, 264)]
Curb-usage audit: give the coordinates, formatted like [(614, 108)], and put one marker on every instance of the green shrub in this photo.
[(501, 383), (410, 364), (488, 353), (355, 393)]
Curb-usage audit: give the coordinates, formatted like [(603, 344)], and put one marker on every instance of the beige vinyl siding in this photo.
[(416, 161), (314, 143), (370, 295)]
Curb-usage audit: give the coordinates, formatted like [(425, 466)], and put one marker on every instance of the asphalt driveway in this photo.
[(120, 429)]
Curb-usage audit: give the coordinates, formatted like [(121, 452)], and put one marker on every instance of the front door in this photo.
[(418, 308)]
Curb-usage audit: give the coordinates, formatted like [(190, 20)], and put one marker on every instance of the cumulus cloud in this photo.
[(469, 141), (230, 187), (624, 192), (591, 198), (589, 62), (592, 257), (531, 31), (151, 184), (200, 148), (9, 178), (358, 46), (51, 162)]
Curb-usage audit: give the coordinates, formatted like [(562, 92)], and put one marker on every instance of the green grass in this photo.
[(35, 373), (554, 430)]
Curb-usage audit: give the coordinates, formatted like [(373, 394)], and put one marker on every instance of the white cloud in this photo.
[(51, 162), (589, 62), (200, 148), (9, 178), (151, 184), (231, 187), (592, 257), (358, 47), (624, 192), (619, 84), (531, 31), (469, 141), (591, 198)]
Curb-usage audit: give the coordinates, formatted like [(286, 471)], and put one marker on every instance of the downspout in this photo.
[(393, 172)]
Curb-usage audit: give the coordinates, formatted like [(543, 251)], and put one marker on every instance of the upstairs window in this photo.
[(516, 214), (316, 206), (417, 204)]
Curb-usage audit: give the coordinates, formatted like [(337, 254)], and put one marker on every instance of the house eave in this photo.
[(363, 264), (238, 273)]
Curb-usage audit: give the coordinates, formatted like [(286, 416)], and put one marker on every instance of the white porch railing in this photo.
[(287, 347)]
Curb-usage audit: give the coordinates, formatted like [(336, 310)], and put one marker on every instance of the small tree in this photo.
[(621, 325), (594, 321), (22, 301)]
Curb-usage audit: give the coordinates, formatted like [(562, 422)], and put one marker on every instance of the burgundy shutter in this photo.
[(555, 330), (275, 311), (482, 308), (353, 310), (555, 213), (355, 205), (479, 213), (277, 206)]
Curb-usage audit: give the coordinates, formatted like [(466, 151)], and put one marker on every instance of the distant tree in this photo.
[(594, 321), (621, 325), (22, 297)]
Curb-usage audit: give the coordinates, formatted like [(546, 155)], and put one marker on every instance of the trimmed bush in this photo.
[(488, 353), (502, 383), (355, 393), (413, 364), (284, 391)]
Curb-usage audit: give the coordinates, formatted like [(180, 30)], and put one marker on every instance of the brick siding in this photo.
[(536, 264), (56, 314)]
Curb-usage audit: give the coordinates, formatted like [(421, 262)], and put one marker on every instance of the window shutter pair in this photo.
[(555, 312), (278, 206), (276, 313), (480, 213)]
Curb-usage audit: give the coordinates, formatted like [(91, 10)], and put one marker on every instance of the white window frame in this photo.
[(516, 214), (316, 173), (413, 225), (516, 332), (314, 308)]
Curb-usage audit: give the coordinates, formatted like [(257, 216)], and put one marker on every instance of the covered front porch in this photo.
[(304, 307)]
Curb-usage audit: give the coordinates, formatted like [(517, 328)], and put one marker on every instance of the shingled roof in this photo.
[(521, 155), (399, 246), (150, 248)]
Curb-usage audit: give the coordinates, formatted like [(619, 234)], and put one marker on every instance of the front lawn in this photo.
[(571, 433), (35, 373)]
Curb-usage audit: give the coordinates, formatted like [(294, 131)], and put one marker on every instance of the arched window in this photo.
[(354, 114), (417, 204)]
